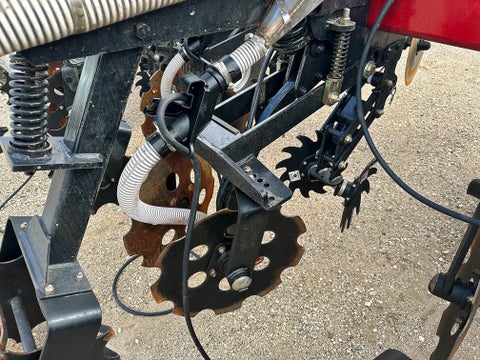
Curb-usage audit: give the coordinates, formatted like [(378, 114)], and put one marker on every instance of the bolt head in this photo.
[(79, 276), (369, 69), (247, 169), (222, 250), (49, 289), (242, 283), (142, 31), (212, 273), (348, 139), (23, 225)]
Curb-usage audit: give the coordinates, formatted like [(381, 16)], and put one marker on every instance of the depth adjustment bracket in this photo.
[(251, 224)]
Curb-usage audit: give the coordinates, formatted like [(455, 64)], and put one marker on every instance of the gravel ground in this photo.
[(353, 294)]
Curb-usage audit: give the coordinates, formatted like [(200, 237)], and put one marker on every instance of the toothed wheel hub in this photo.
[(211, 242), (297, 166)]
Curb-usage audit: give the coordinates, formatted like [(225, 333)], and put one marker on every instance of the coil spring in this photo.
[(340, 52), (294, 40), (29, 106)]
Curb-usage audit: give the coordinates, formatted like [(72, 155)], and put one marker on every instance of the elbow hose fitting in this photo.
[(238, 64)]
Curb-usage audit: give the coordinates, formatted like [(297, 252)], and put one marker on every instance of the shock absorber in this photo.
[(29, 107), (343, 27)]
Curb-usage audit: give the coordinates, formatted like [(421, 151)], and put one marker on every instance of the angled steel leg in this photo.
[(40, 277)]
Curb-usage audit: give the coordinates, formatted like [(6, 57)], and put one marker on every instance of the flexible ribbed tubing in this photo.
[(28, 23), (133, 176), (169, 74), (249, 53)]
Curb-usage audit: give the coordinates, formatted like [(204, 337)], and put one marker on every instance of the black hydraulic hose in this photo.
[(186, 253), (121, 304), (190, 153), (12, 195), (162, 124), (361, 118), (258, 87)]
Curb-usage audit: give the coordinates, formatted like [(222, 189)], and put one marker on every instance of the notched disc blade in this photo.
[(210, 292)]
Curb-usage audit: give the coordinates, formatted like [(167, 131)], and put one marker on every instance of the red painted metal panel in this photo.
[(454, 22)]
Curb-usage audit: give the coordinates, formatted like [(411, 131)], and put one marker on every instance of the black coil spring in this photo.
[(340, 52), (294, 40), (29, 106)]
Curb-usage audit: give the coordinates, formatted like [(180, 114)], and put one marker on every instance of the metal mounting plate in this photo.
[(61, 157)]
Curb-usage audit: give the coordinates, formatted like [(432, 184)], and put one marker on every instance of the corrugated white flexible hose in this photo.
[(132, 178), (169, 74), (28, 23)]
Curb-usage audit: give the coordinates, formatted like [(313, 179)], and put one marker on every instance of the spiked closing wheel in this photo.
[(297, 166), (353, 197), (211, 241)]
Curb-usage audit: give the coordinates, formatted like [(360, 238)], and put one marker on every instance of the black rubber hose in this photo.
[(371, 144)]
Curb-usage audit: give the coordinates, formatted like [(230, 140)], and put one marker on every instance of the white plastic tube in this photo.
[(169, 74), (133, 176), (28, 23)]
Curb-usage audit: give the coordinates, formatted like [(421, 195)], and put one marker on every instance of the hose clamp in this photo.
[(222, 69), (78, 15)]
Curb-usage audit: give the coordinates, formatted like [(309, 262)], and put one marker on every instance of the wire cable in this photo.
[(258, 87), (370, 142), (12, 195), (162, 124), (186, 252), (121, 304), (190, 153)]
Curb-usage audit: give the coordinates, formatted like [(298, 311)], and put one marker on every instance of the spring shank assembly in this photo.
[(343, 27), (29, 105), (28, 23)]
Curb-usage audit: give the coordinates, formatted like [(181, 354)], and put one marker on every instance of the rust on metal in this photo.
[(3, 334), (147, 97), (168, 183), (455, 321)]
